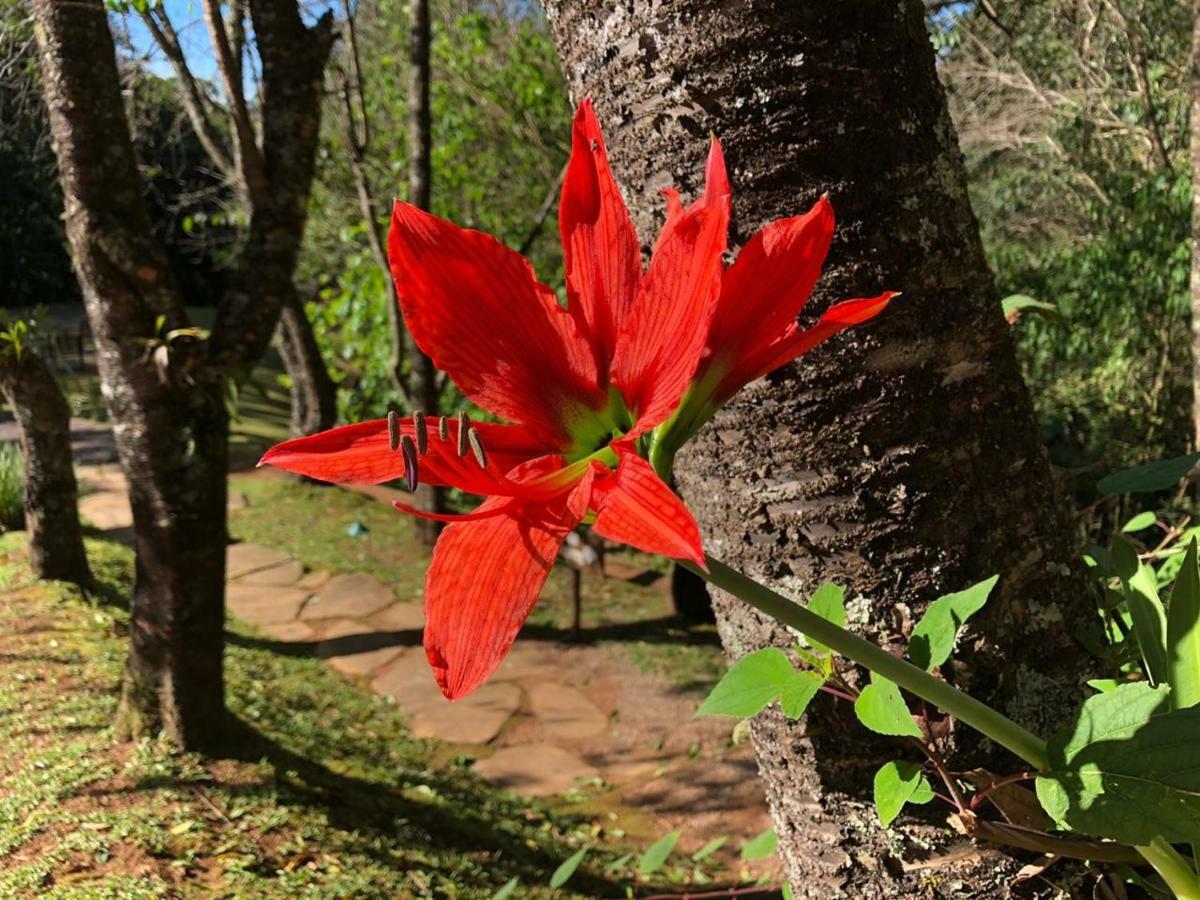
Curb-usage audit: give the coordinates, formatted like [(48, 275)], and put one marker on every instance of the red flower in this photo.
[(585, 387)]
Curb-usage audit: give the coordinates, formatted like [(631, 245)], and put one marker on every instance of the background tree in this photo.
[(166, 381), (51, 497), (225, 128), (844, 467), (1073, 116)]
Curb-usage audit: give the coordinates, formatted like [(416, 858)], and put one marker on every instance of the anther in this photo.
[(422, 434), (411, 473), (393, 430), (464, 425), (476, 443), (444, 428)]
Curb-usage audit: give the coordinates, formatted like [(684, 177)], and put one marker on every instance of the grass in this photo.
[(328, 797)]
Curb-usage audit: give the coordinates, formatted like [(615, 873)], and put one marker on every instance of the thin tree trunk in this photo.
[(51, 495), (902, 459), (1195, 281), (422, 376), (314, 395), (163, 388)]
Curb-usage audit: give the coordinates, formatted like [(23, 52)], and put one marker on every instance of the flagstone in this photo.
[(242, 559), (314, 580), (264, 604), (288, 632), (107, 510), (535, 770), (282, 575), (526, 661), (349, 596), (564, 712), (399, 617)]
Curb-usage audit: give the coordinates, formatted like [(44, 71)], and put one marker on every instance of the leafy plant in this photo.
[(12, 488)]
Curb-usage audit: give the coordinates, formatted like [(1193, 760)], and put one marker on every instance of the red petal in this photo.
[(770, 281), (483, 582), (795, 342), (476, 309), (480, 513), (634, 506), (716, 180), (660, 343), (601, 254), (361, 454)]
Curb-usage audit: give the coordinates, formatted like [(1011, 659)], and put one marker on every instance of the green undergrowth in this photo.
[(326, 796)]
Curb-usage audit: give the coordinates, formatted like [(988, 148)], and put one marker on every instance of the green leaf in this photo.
[(507, 890), (1015, 305), (1149, 620), (564, 872), (753, 681), (617, 863), (760, 847), (1140, 522), (710, 848), (923, 794), (1183, 633), (656, 854), (1103, 685), (1124, 557), (932, 641), (1153, 476), (799, 692), (829, 602), (1127, 768), (787, 892), (895, 784), (881, 708)]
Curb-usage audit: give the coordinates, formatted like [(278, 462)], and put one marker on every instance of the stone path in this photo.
[(553, 718)]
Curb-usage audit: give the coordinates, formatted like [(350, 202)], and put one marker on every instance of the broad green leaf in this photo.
[(508, 889), (656, 854), (710, 848), (760, 847), (1149, 621), (829, 602), (787, 892), (1014, 305), (895, 784), (1124, 557), (564, 872), (932, 641), (751, 683), (1145, 479), (1127, 768), (1103, 685), (1140, 522), (923, 794), (799, 692), (1183, 634), (881, 708)]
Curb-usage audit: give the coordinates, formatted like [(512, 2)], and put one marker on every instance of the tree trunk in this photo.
[(51, 495), (903, 459), (163, 387), (1195, 281), (422, 376), (314, 395)]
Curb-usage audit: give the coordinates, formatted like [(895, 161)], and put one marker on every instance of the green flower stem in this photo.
[(1173, 868)]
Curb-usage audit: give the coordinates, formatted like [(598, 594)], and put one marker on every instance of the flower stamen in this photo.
[(422, 434), (476, 443), (464, 425), (443, 429), (411, 473), (393, 430)]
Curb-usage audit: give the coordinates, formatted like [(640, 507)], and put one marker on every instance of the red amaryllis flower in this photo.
[(584, 387)]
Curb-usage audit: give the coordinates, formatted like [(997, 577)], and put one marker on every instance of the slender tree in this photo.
[(423, 384), (164, 380), (228, 135), (51, 495), (903, 460)]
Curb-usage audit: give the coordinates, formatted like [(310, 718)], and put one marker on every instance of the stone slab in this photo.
[(349, 596), (264, 604), (535, 770), (314, 580), (107, 510), (242, 559), (282, 575), (564, 712), (288, 632), (399, 617)]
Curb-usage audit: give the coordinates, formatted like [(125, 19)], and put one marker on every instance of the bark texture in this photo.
[(51, 495), (314, 395), (903, 459), (163, 386)]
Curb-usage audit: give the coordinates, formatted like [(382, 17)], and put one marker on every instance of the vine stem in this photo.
[(1166, 860)]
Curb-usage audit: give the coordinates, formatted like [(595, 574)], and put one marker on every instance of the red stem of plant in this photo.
[(727, 892), (1011, 779)]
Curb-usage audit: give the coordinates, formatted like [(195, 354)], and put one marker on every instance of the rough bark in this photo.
[(314, 395), (423, 387), (51, 495), (163, 387), (903, 460), (1195, 280)]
